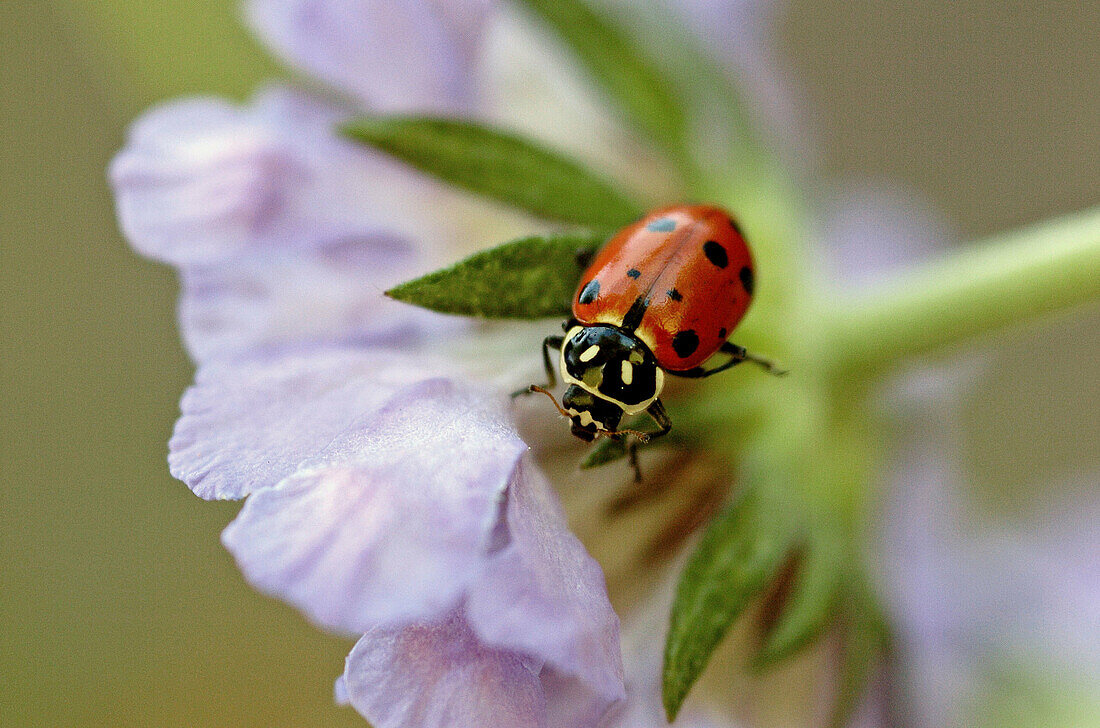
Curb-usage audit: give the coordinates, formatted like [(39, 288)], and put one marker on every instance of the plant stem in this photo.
[(1010, 278)]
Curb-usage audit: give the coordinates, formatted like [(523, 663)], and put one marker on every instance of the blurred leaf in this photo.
[(603, 452), (501, 166), (738, 556), (619, 66), (723, 132), (864, 643), (529, 278), (806, 612)]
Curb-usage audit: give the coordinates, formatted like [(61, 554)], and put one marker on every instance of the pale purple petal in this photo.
[(327, 294), (964, 591), (393, 55), (391, 523), (199, 181), (340, 692), (205, 181), (543, 595), (440, 675), (743, 34), (870, 228), (248, 424)]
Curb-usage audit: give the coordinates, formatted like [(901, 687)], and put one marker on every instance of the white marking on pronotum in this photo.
[(628, 373), (590, 353)]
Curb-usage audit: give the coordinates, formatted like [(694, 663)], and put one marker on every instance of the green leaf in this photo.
[(608, 450), (499, 165), (529, 278), (738, 556), (619, 66), (864, 643), (808, 610), (603, 452)]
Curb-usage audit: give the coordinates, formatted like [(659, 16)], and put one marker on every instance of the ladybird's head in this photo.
[(590, 414), (610, 373)]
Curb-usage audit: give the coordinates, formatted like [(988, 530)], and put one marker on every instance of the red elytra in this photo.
[(680, 279)]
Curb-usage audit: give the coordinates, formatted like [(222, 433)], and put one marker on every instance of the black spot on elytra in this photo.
[(747, 279), (675, 295), (736, 227), (685, 343), (716, 254), (589, 292), (722, 334), (633, 272)]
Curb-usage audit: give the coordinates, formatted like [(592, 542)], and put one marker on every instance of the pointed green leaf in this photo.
[(738, 556), (529, 278), (808, 610), (499, 165), (618, 65)]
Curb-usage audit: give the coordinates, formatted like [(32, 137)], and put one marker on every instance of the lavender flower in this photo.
[(389, 491), (390, 496)]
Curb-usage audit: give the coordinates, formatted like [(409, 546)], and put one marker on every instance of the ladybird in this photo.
[(660, 298)]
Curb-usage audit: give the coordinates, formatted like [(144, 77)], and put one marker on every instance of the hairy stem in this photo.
[(1010, 278)]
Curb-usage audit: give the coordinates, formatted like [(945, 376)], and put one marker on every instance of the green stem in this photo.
[(1007, 279)]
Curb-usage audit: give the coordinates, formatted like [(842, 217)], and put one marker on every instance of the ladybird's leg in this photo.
[(632, 453), (556, 342), (660, 416), (737, 355), (549, 342), (664, 422)]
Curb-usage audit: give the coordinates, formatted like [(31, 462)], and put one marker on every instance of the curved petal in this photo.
[(390, 524), (543, 595), (203, 182), (248, 424), (439, 675), (329, 294), (394, 55), (198, 181)]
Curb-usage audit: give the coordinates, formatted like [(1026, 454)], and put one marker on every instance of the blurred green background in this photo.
[(119, 607)]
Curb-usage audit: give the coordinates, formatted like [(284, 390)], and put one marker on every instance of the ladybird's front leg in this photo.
[(664, 423), (632, 454), (660, 416), (555, 342)]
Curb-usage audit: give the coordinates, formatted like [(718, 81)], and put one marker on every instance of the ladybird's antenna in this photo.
[(643, 436), (543, 390)]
